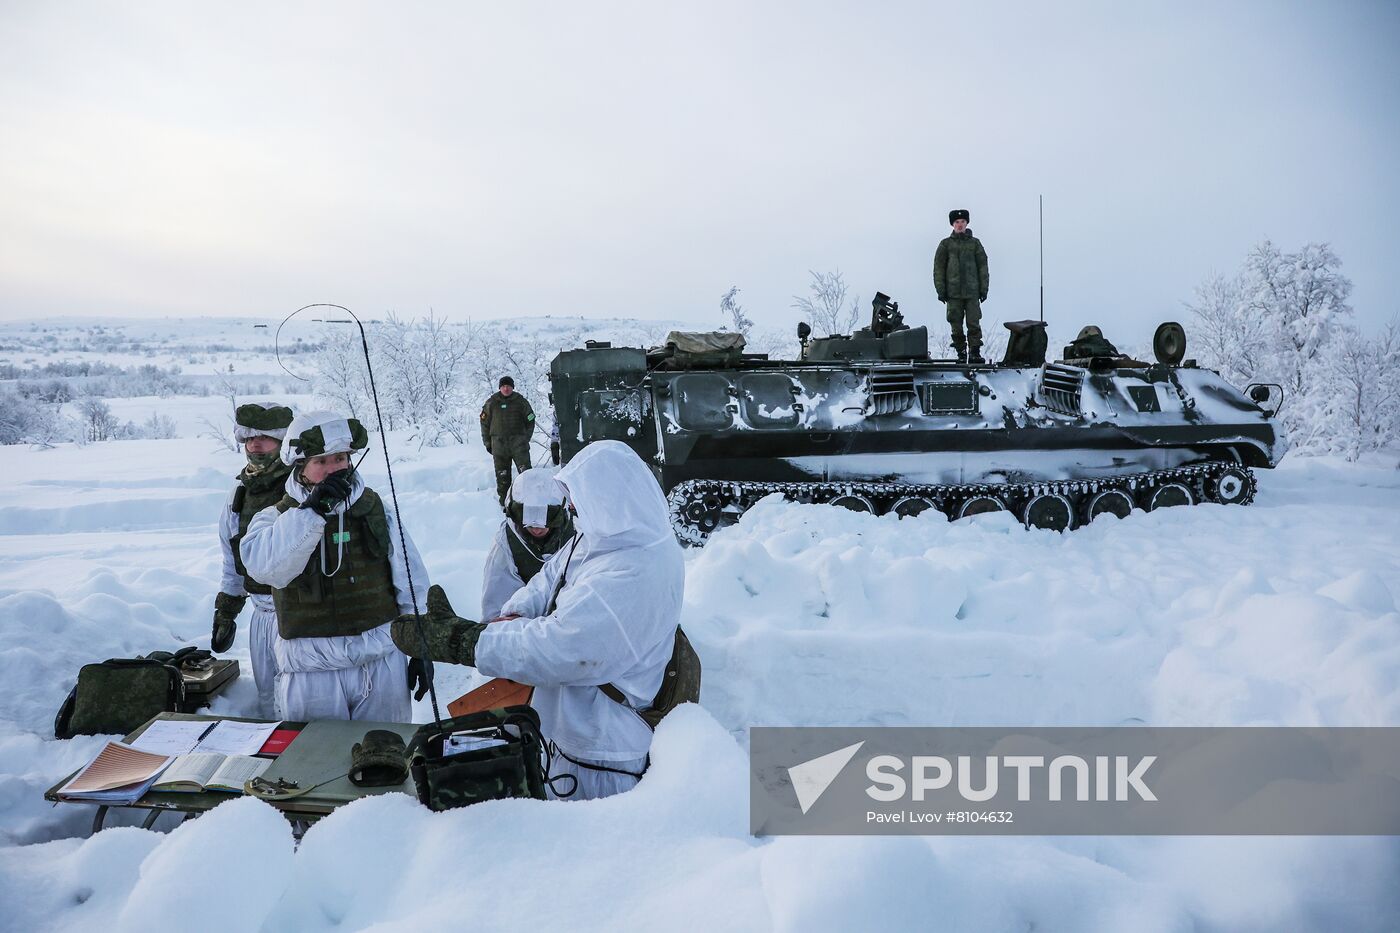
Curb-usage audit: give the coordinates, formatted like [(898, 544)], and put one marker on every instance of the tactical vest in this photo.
[(354, 599), (529, 560), (254, 493)]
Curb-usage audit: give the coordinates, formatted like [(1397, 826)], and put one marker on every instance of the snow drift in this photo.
[(1281, 613)]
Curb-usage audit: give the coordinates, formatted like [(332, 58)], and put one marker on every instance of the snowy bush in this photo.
[(27, 420), (159, 427), (1283, 318), (423, 370)]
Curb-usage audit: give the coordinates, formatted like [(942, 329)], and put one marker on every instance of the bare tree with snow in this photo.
[(1364, 376), (733, 312), (825, 304)]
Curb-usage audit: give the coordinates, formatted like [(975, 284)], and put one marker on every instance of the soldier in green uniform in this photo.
[(507, 421), (260, 429), (1089, 344), (960, 279)]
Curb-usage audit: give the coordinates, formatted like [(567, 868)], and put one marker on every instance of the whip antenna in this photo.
[(388, 468), (1042, 259)]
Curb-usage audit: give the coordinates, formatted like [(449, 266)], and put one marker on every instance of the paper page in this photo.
[(467, 742), (117, 765), (235, 770), (197, 768), (236, 738), (171, 736)]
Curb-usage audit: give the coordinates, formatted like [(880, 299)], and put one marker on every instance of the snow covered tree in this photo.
[(98, 422), (1364, 379), (1302, 300), (825, 306), (729, 306), (1283, 318), (1232, 337)]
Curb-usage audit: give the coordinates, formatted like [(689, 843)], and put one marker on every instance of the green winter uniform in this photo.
[(960, 279), (360, 595), (1090, 345), (507, 421), (530, 557), (255, 492)]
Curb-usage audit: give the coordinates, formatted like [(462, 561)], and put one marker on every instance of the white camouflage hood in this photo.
[(618, 501)]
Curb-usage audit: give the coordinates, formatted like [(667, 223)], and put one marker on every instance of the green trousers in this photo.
[(969, 309), (504, 451)]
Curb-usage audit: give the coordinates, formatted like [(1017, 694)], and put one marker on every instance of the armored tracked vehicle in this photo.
[(871, 423)]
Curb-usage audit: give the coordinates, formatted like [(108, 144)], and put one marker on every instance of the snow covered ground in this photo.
[(1280, 613)]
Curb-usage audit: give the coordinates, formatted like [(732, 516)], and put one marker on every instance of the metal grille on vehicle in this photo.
[(1060, 386), (891, 391)]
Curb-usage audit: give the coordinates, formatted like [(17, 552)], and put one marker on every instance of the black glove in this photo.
[(942, 299), (554, 452), (420, 675), (226, 610), (982, 297), (487, 445), (328, 493)]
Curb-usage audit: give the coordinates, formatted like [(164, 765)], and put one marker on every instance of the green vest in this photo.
[(254, 493), (529, 558), (355, 599)]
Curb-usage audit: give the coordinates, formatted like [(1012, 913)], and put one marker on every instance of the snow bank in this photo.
[(1282, 613)]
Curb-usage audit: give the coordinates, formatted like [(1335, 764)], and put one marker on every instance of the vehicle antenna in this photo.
[(1042, 259), (388, 468)]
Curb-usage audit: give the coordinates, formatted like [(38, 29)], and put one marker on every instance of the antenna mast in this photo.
[(1042, 259)]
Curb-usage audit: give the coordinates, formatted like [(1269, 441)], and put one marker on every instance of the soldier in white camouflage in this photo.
[(338, 565), (259, 428)]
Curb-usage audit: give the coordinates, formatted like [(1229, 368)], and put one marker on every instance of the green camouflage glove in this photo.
[(226, 610), (448, 637)]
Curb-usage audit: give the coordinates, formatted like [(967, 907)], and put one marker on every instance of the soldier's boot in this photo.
[(960, 347), (974, 356)]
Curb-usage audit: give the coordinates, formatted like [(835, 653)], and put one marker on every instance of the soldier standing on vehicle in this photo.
[(507, 421), (960, 278)]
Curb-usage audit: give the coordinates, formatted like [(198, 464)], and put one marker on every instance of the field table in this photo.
[(320, 755)]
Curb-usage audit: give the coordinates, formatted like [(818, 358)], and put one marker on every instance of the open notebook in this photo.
[(200, 771)]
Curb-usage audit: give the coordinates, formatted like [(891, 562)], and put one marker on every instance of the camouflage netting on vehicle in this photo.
[(707, 348), (489, 755)]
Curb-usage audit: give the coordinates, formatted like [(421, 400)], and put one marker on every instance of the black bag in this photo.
[(501, 755), (1027, 344), (120, 694)]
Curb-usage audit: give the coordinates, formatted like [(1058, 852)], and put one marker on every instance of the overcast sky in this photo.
[(638, 159)]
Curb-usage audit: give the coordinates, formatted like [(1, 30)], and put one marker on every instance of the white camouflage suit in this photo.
[(262, 631), (361, 676), (614, 622), (536, 490)]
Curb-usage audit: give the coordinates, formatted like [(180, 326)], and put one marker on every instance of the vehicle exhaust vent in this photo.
[(1060, 388), (891, 391)]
